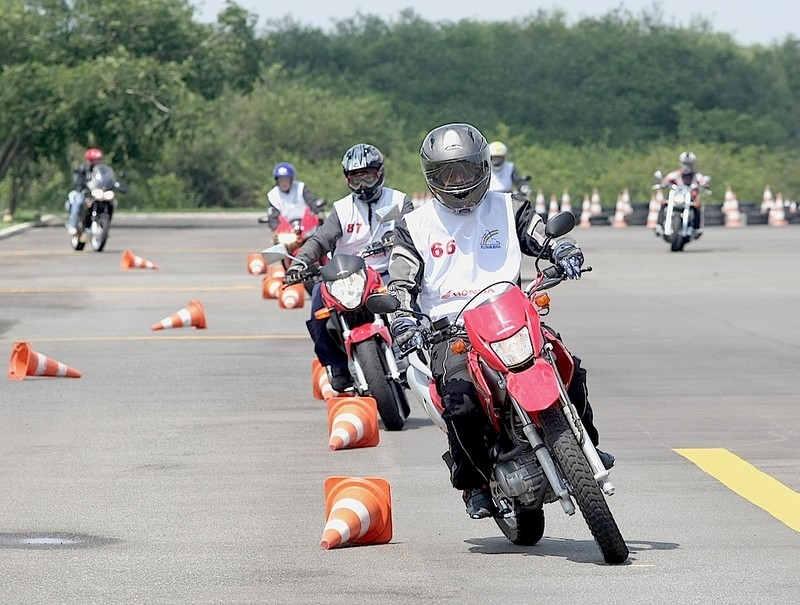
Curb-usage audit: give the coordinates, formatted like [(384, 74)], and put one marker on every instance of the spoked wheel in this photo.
[(100, 233), (380, 385), (582, 485), (525, 526)]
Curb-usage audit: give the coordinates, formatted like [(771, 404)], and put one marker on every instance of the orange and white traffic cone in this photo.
[(539, 206), (25, 361), (256, 264), (320, 385), (566, 202), (554, 207), (777, 214), (730, 209), (352, 422), (277, 270), (271, 287), (586, 212), (131, 261), (358, 511), (596, 207), (191, 315), (619, 214), (652, 212), (626, 202), (292, 297)]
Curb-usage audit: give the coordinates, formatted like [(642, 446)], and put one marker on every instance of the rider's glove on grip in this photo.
[(570, 258)]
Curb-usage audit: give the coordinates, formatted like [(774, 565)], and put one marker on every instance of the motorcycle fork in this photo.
[(668, 218), (573, 419)]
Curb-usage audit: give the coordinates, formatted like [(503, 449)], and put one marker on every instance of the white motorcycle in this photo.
[(676, 223)]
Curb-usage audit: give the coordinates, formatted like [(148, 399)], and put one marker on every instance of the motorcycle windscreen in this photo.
[(102, 178), (342, 265)]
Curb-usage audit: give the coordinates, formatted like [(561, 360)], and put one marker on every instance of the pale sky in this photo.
[(764, 22)]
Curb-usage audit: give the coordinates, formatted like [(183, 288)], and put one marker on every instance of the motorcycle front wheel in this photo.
[(583, 487), (677, 241), (380, 385), (525, 526), (100, 232), (76, 243)]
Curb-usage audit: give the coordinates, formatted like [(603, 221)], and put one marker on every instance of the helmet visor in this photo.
[(363, 179), (455, 176)]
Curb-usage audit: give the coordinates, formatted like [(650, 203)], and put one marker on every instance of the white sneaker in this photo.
[(72, 231), (659, 230)]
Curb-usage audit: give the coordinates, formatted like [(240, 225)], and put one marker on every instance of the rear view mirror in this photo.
[(561, 224)]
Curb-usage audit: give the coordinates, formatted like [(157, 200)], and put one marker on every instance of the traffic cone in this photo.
[(358, 511), (596, 207), (730, 209), (292, 297), (256, 264), (271, 287), (191, 315), (619, 214), (540, 207), (554, 207), (566, 202), (25, 361), (766, 200), (652, 212), (320, 384), (777, 214), (131, 261), (626, 202), (352, 422), (586, 212), (276, 271)]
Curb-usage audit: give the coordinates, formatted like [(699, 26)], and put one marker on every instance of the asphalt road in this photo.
[(187, 466)]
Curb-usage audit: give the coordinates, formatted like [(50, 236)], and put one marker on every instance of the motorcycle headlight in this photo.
[(348, 290), (108, 195), (287, 238), (515, 350), (97, 194), (679, 198)]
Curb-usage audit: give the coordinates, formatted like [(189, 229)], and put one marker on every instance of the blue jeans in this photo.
[(76, 206)]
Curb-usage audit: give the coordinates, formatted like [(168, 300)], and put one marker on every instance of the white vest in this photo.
[(501, 178), (291, 204), (464, 253), (357, 234)]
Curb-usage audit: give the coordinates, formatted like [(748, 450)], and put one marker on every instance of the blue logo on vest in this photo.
[(489, 240)]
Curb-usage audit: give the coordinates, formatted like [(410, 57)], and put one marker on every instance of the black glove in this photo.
[(570, 258), (406, 333), (294, 275)]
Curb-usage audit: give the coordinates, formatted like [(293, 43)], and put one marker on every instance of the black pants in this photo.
[(467, 424)]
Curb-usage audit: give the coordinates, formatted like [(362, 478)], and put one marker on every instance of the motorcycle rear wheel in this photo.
[(524, 526), (390, 408), (583, 487)]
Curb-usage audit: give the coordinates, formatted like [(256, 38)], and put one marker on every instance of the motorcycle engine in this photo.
[(521, 478)]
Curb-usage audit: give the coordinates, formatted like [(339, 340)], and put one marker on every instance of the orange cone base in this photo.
[(191, 315), (131, 261), (358, 511), (25, 361), (352, 422)]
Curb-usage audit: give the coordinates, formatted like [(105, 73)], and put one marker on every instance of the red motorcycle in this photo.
[(347, 283), (521, 370)]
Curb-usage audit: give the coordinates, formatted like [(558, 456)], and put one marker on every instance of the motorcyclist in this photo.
[(80, 178), (505, 176), (290, 197), (351, 225), (686, 175), (442, 256)]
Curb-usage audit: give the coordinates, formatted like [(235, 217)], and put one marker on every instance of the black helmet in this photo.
[(362, 166), (456, 165)]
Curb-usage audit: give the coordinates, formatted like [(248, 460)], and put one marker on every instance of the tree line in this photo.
[(198, 113)]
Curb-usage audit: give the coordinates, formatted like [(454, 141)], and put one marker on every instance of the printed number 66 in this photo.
[(437, 250)]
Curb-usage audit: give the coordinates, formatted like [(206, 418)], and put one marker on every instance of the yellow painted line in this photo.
[(163, 336), (55, 290), (749, 482)]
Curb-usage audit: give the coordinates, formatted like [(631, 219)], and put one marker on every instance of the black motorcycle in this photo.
[(99, 202)]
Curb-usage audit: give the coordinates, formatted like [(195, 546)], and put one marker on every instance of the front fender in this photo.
[(534, 389), (366, 332)]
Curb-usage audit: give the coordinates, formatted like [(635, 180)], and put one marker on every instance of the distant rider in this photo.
[(686, 175), (505, 176), (290, 197), (348, 229), (80, 178)]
